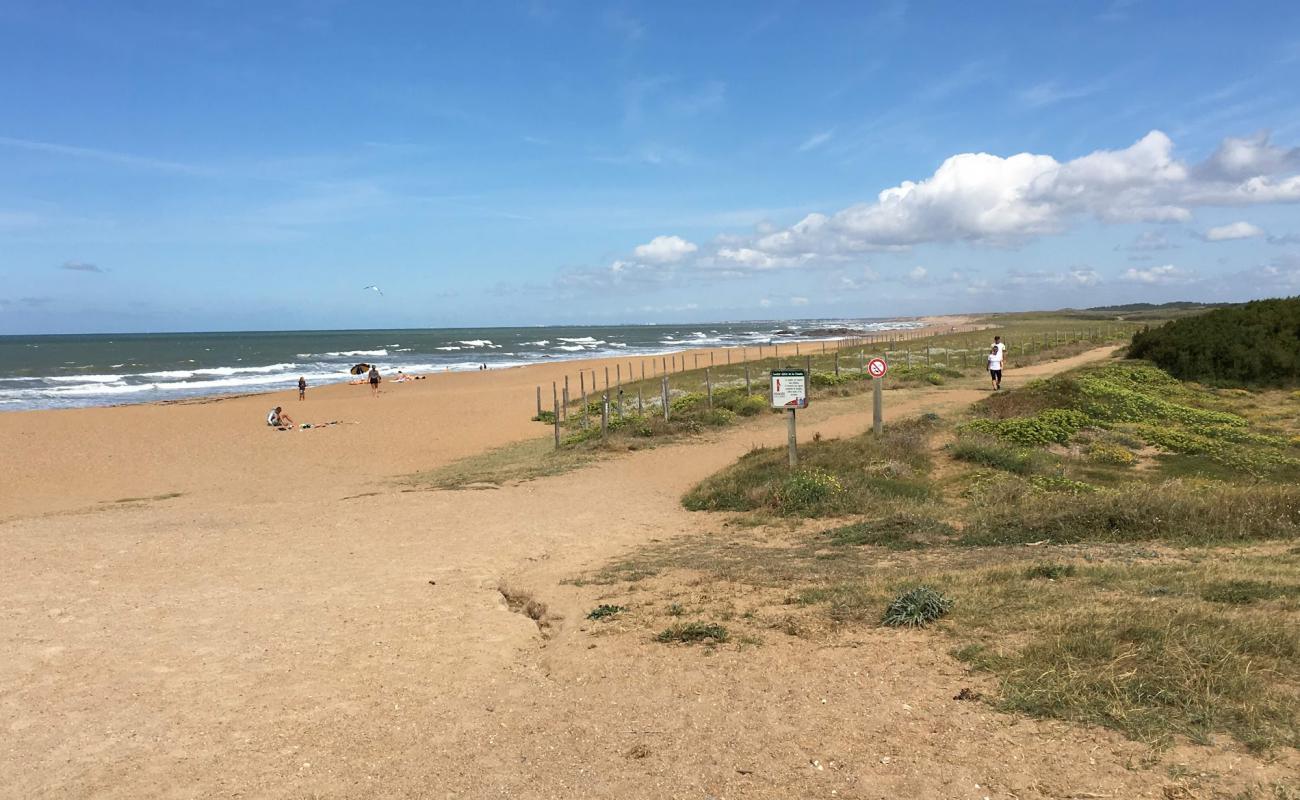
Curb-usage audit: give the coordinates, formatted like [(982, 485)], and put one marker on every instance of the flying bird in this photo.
[(376, 288)]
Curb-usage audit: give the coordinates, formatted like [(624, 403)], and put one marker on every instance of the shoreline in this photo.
[(220, 449), (928, 326)]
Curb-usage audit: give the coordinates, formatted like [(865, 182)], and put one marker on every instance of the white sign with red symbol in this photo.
[(789, 388), (877, 367)]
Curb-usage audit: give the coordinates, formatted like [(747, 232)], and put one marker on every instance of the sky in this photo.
[(214, 165)]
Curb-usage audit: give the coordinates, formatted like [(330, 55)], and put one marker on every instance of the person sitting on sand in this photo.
[(278, 419)]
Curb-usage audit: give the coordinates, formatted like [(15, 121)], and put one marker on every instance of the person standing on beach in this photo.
[(374, 381), (995, 366), (302, 388)]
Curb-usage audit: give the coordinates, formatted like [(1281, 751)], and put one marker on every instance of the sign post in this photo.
[(877, 367), (790, 392)]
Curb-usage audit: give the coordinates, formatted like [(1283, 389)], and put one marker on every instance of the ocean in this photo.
[(71, 371)]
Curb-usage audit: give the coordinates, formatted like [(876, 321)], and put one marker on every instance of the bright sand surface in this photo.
[(294, 624)]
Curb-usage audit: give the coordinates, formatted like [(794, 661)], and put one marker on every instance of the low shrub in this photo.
[(686, 402), (605, 611), (693, 633), (916, 608), (807, 488), (1112, 454), (751, 406), (545, 416), (718, 417)]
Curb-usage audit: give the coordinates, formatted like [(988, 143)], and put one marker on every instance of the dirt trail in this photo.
[(324, 647)]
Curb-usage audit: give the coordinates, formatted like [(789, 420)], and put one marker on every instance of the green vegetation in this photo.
[(1114, 546), (605, 611), (694, 633), (916, 608), (1255, 344), (839, 476)]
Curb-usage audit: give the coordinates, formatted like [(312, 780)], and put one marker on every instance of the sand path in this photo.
[(315, 646)]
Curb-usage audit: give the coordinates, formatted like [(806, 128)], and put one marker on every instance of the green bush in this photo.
[(1253, 344), (806, 489), (687, 402), (916, 608), (718, 417), (751, 406), (545, 416), (1052, 426)]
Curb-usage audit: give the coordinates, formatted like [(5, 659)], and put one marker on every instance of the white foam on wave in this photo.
[(581, 340), (85, 378), (449, 347), (572, 348), (338, 353)]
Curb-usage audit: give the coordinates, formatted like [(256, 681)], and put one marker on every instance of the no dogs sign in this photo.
[(789, 388), (877, 367)]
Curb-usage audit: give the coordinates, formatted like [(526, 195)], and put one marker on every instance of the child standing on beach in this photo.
[(302, 388)]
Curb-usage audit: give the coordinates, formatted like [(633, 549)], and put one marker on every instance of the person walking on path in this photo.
[(374, 380), (995, 367), (302, 388), (1001, 347)]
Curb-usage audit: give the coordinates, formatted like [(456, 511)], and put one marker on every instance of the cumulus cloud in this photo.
[(1078, 277), (79, 266), (1235, 230), (1006, 201), (665, 249), (1162, 275)]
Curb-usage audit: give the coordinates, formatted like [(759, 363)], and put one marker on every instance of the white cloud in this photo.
[(1235, 230), (1050, 92), (980, 197), (80, 266), (765, 303), (1162, 275), (1239, 159), (798, 301), (917, 274), (816, 140), (665, 249)]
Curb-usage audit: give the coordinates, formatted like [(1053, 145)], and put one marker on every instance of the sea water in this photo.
[(68, 371)]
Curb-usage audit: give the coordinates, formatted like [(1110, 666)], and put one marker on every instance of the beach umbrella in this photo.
[(360, 368)]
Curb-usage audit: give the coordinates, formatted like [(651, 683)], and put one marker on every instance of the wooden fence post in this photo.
[(664, 390), (640, 403), (747, 391), (708, 386), (539, 401), (604, 414), (566, 398), (556, 402)]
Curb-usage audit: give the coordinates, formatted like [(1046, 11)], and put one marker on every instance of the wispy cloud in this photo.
[(1052, 92), (816, 140), (80, 266), (105, 156)]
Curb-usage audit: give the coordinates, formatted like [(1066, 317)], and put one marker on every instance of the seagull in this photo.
[(376, 288)]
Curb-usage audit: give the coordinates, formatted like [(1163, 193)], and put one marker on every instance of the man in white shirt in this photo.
[(995, 367), (1002, 348)]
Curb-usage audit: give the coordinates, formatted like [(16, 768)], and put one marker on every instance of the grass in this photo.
[(605, 611), (512, 463), (834, 477), (1160, 608), (1174, 511), (1153, 674)]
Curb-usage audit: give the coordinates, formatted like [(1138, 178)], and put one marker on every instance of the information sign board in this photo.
[(789, 388)]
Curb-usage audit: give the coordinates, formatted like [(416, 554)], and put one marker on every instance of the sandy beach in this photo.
[(273, 616)]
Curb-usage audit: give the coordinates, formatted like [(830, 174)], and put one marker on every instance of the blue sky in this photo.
[(221, 165)]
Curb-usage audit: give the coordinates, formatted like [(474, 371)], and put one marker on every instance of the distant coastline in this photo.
[(78, 371)]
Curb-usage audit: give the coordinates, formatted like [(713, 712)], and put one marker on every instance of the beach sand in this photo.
[(291, 623)]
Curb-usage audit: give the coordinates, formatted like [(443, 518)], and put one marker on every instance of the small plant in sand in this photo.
[(916, 608), (605, 611), (693, 633)]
